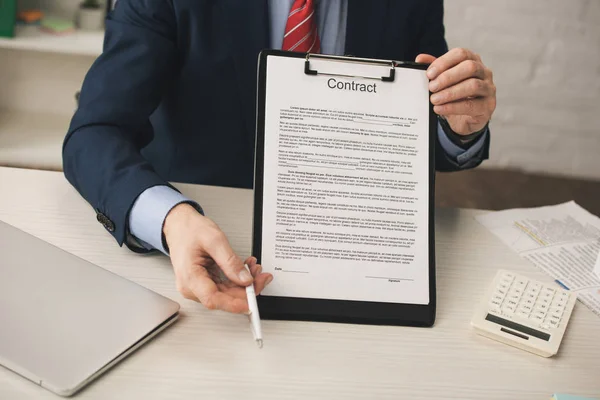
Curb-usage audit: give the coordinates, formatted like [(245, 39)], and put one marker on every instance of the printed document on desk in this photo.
[(597, 267), (563, 240), (346, 185)]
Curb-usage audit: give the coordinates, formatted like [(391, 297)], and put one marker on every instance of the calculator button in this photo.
[(521, 281), (557, 316), (508, 275), (507, 279), (534, 288), (514, 297), (530, 298), (545, 326), (529, 302), (537, 317), (554, 323), (501, 291), (508, 310), (522, 314), (545, 301), (559, 304), (498, 298), (526, 308), (549, 291), (502, 286)]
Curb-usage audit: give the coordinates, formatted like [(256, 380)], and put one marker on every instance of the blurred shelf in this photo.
[(32, 140), (77, 43)]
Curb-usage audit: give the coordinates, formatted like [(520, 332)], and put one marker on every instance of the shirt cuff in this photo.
[(459, 154), (148, 213)]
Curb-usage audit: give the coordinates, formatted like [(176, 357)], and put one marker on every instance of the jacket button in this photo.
[(105, 221)]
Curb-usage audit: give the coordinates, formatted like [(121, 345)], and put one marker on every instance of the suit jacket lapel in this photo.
[(365, 27), (248, 24)]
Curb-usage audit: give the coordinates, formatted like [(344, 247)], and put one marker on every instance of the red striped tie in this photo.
[(301, 29)]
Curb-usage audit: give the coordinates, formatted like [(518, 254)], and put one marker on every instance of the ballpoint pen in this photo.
[(254, 316)]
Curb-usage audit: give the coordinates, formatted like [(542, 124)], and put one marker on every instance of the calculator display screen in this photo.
[(517, 327)]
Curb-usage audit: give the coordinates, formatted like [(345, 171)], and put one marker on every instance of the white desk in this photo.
[(211, 355)]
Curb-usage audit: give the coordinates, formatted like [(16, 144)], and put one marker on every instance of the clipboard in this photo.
[(364, 311)]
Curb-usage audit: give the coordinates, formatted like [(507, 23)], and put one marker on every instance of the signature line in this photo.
[(386, 277)]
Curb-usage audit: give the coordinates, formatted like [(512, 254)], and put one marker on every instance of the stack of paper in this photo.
[(562, 240)]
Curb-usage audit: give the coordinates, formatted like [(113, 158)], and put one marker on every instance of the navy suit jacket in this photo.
[(173, 96)]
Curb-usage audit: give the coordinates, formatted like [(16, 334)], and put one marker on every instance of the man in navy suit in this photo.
[(172, 98)]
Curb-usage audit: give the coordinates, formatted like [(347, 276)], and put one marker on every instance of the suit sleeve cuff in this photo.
[(457, 153), (148, 213)]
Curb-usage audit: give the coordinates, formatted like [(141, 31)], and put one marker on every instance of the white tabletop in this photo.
[(211, 355)]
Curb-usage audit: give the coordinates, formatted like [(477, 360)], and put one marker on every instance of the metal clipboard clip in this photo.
[(391, 64)]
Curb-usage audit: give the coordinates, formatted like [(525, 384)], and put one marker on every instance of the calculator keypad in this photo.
[(516, 297)]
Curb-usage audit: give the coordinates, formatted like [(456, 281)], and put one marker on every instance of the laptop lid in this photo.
[(64, 320)]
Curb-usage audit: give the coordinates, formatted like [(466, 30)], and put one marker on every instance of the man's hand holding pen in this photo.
[(202, 256)]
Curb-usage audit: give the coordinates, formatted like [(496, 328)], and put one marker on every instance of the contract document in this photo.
[(563, 240), (347, 181)]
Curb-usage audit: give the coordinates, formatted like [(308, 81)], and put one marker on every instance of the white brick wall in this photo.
[(545, 55)]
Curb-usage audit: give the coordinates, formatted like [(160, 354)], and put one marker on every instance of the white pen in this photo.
[(254, 316)]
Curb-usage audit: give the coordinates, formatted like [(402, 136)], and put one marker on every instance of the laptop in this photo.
[(65, 321)]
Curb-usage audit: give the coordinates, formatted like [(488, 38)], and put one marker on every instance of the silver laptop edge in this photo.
[(66, 321)]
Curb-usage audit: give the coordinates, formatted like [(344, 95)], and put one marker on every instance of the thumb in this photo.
[(233, 267), (425, 59)]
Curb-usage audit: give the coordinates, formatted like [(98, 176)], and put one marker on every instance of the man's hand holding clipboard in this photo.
[(463, 90)]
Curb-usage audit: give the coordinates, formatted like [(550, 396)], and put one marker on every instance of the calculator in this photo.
[(524, 313)]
